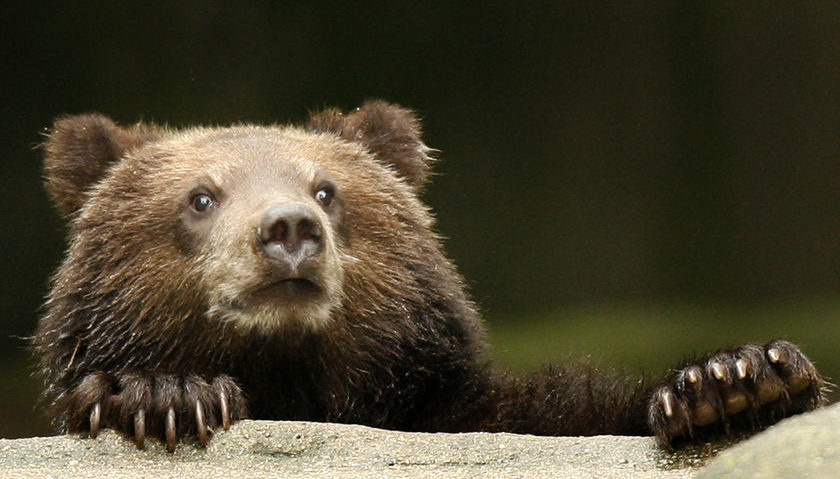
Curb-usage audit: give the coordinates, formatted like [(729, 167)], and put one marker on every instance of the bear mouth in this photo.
[(288, 289)]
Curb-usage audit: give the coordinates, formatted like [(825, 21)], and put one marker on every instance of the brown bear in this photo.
[(285, 272)]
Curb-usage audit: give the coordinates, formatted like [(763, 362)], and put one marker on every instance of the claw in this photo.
[(692, 375), (223, 406), (200, 426), (742, 367), (95, 414), (719, 371), (668, 404), (774, 355), (170, 430), (140, 428)]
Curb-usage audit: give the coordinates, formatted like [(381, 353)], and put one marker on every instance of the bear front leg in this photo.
[(165, 406), (747, 387)]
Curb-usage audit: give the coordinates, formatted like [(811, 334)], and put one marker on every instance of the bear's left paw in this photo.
[(742, 388)]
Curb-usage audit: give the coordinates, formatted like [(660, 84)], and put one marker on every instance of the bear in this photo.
[(293, 272)]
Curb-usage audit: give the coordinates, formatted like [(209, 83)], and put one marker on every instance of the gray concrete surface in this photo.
[(298, 449)]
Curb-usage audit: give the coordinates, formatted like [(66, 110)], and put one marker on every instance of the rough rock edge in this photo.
[(807, 445)]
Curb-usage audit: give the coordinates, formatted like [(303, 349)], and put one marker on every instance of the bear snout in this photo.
[(290, 234)]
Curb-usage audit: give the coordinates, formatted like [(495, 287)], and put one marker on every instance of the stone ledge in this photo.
[(803, 446), (301, 449)]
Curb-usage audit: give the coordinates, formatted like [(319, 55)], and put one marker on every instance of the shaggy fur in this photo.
[(159, 306)]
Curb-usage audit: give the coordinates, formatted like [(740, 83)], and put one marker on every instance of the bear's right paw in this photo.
[(745, 388), (165, 406)]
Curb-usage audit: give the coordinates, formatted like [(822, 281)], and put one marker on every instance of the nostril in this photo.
[(275, 233), (308, 230)]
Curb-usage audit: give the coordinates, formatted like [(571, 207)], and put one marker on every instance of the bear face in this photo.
[(285, 272), (257, 221)]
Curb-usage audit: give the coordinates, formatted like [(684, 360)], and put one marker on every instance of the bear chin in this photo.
[(276, 307), (275, 316)]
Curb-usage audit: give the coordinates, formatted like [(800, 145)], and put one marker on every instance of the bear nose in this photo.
[(290, 233)]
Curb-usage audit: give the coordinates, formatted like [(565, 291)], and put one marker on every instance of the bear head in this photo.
[(261, 229)]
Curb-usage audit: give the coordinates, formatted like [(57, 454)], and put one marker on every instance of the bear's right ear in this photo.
[(390, 132), (79, 149)]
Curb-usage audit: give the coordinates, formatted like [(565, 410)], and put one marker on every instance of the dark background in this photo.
[(640, 177)]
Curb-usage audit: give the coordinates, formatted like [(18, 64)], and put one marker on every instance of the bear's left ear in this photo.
[(78, 151), (390, 132)]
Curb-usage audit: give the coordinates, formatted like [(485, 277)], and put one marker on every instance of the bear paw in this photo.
[(748, 387), (165, 406)]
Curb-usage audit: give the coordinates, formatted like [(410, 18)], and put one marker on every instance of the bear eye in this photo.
[(201, 202), (325, 195)]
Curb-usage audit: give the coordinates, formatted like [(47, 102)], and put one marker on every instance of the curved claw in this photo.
[(719, 372), (200, 425), (742, 367), (225, 410), (170, 430), (667, 401), (95, 415), (140, 428), (693, 375)]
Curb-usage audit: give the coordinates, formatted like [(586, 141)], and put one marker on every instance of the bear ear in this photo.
[(79, 149), (390, 132)]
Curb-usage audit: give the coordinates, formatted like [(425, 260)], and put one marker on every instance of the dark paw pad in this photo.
[(157, 405), (742, 388)]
